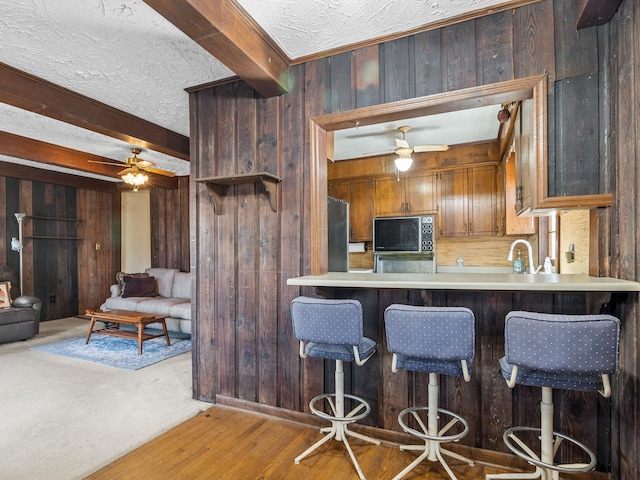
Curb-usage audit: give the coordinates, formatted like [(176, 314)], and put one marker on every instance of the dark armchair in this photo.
[(22, 319)]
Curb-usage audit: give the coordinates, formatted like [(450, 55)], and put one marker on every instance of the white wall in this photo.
[(136, 231)]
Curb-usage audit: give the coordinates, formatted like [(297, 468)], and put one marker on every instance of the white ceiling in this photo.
[(124, 54)]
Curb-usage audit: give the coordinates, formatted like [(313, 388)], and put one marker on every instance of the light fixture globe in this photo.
[(403, 163), (135, 178)]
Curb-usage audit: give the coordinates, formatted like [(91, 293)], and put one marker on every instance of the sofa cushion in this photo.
[(139, 287), (119, 303), (181, 310), (181, 285), (164, 279), (158, 306)]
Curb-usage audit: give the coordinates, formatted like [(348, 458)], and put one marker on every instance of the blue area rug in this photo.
[(117, 352)]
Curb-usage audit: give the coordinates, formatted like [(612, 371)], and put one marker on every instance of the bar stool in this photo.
[(440, 341), (569, 352), (334, 331)]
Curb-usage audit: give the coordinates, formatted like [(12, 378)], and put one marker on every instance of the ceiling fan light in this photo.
[(136, 179), (403, 163)]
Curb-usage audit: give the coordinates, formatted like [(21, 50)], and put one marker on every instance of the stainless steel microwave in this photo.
[(403, 234)]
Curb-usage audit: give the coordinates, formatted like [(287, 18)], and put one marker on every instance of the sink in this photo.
[(472, 269)]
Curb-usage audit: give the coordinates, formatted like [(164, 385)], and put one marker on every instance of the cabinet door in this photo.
[(339, 189), (421, 194), (361, 211), (452, 194), (389, 197), (514, 225), (525, 156), (482, 202)]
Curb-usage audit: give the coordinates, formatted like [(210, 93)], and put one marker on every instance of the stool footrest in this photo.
[(439, 437), (354, 415), (518, 447)]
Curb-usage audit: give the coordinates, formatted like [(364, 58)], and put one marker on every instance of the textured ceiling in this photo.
[(307, 27), (124, 54)]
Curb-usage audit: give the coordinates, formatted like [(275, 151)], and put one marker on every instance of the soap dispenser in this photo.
[(517, 263)]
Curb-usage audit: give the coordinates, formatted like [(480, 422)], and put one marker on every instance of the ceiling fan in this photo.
[(133, 174), (404, 151), (134, 165)]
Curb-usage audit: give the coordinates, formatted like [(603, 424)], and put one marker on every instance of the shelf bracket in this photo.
[(218, 185)]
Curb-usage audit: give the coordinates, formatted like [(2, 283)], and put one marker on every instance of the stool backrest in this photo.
[(443, 333), (338, 322), (567, 343)]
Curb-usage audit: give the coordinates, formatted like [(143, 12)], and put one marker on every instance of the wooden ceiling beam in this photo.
[(34, 174), (34, 150), (226, 31), (596, 12), (34, 94)]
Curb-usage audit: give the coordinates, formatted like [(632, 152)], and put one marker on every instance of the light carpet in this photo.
[(117, 352), (64, 419)]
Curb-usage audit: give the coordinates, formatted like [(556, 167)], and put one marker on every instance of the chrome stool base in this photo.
[(432, 449), (546, 470), (339, 424)]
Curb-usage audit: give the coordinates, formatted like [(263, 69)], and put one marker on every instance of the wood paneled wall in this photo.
[(621, 130), (244, 346), (62, 267), (170, 226)]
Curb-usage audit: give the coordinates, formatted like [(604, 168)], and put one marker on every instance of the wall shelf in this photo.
[(47, 237), (56, 219), (218, 185)]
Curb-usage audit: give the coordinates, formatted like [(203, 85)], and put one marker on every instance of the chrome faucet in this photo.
[(532, 269)]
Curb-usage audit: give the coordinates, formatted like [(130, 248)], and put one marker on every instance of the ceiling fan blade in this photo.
[(402, 143), (117, 164), (431, 148), (158, 171), (125, 171), (144, 163)]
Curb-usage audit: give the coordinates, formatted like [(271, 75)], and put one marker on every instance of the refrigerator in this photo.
[(338, 232)]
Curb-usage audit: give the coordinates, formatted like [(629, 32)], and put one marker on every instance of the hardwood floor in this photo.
[(227, 443)]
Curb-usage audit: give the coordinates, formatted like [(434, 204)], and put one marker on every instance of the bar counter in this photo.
[(469, 282), (486, 402)]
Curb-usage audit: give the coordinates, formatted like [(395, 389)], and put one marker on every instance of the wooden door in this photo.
[(452, 194)]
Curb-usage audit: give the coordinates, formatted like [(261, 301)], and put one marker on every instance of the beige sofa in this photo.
[(172, 297)]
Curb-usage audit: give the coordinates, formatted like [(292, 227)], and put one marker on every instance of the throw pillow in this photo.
[(120, 277), (139, 286), (5, 295)]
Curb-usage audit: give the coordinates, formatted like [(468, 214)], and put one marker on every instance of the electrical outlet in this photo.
[(52, 299)]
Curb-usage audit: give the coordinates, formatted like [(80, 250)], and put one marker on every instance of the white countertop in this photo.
[(469, 281)]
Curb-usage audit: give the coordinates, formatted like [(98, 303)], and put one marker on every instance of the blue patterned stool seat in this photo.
[(569, 352), (438, 341), (333, 330)]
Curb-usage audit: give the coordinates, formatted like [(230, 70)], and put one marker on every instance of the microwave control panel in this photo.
[(426, 234)]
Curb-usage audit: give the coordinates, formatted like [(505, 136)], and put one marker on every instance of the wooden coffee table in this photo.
[(118, 317)]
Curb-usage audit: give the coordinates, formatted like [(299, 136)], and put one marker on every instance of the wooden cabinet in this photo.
[(515, 225), (468, 202), (524, 157), (359, 195), (407, 195)]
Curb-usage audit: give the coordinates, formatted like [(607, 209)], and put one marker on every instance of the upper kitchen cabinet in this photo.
[(359, 194), (409, 194), (524, 157), (469, 202)]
